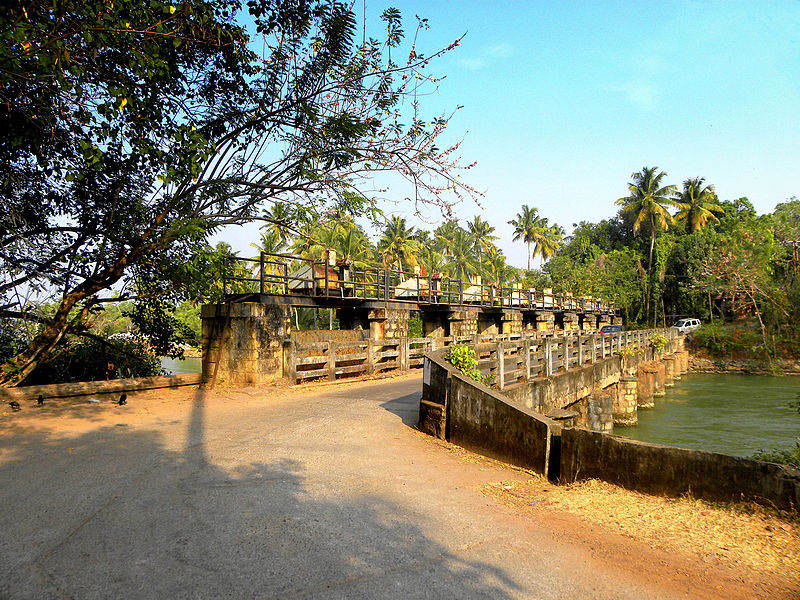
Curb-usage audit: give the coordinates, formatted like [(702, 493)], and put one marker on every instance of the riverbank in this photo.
[(704, 364)]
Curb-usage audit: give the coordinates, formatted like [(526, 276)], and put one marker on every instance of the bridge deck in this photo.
[(295, 281)]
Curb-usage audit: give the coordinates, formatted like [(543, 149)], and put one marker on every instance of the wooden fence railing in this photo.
[(523, 358)]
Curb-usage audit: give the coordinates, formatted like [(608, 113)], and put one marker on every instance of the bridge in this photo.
[(248, 337)]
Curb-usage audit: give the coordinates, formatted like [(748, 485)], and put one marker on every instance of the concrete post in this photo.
[(625, 403), (501, 367), (403, 350), (331, 348), (526, 348), (669, 370), (370, 356), (548, 357)]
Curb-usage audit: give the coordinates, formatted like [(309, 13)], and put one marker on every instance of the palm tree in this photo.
[(482, 236), (697, 204), (548, 240), (443, 236), (462, 262), (397, 244), (525, 227), (648, 203), (279, 219)]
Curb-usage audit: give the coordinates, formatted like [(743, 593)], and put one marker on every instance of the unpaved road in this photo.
[(326, 492)]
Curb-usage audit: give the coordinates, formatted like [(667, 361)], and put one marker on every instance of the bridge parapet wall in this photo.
[(478, 418)]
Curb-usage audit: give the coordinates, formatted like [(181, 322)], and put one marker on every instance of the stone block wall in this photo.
[(464, 322), (388, 323), (626, 402), (512, 322), (657, 469), (243, 343), (646, 385)]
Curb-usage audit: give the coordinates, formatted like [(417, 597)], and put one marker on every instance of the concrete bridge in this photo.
[(248, 338)]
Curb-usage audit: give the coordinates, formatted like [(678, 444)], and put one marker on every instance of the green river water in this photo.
[(732, 414)]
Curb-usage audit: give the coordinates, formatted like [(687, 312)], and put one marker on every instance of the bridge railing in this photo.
[(509, 358), (283, 274)]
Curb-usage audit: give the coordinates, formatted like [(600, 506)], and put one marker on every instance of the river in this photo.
[(732, 414), (176, 366)]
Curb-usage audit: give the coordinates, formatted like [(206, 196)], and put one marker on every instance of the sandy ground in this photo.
[(329, 491)]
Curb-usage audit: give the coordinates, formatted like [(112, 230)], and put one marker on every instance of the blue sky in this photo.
[(563, 101)]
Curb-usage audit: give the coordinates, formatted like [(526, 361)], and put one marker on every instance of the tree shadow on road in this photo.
[(117, 513)]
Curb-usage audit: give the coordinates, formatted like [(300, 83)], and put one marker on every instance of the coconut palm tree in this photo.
[(279, 223), (482, 237), (443, 236), (647, 203), (548, 240), (462, 260), (525, 226), (397, 245), (697, 204)]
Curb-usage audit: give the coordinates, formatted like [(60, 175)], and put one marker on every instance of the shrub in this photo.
[(658, 341), (784, 457), (463, 358), (86, 359)]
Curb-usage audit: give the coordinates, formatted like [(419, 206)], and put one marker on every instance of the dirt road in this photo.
[(324, 492)]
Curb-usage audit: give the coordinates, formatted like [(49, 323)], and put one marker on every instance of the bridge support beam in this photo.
[(626, 403), (490, 323), (568, 321), (545, 321), (388, 323), (511, 322), (243, 343), (463, 323)]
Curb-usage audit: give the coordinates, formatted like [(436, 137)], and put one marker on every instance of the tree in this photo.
[(397, 245), (697, 204), (547, 238), (482, 237), (461, 264), (648, 202), (133, 131), (525, 227)]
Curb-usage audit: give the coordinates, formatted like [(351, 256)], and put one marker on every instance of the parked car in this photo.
[(685, 325), (611, 329)]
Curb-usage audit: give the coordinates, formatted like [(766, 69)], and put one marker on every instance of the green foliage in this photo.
[(415, 326), (86, 359), (658, 341), (463, 358), (785, 457), (157, 326), (133, 131), (720, 340)]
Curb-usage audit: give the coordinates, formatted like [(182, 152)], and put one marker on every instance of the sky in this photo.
[(563, 101)]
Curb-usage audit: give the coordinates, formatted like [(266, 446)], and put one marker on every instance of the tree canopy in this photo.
[(132, 131)]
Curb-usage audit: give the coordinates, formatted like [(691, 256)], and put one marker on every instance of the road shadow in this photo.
[(121, 512), (406, 407)]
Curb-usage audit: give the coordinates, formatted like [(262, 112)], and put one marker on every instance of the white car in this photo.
[(685, 325)]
